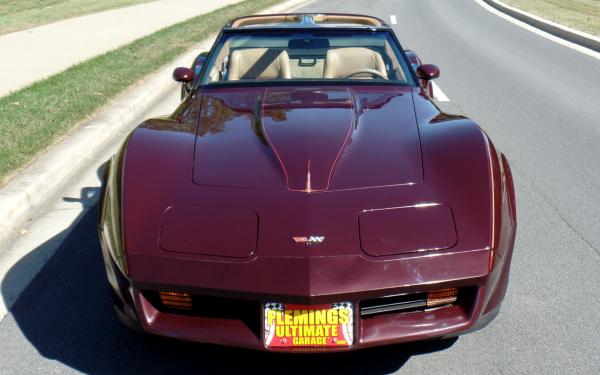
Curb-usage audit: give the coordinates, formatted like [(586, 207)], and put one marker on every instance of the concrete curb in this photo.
[(48, 173), (561, 31)]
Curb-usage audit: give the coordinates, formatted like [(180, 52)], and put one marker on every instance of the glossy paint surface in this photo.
[(428, 72), (183, 74), (201, 231), (275, 138), (401, 230), (308, 151), (211, 198)]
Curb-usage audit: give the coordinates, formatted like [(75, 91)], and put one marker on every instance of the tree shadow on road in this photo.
[(66, 315)]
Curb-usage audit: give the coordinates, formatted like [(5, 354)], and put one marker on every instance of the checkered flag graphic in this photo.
[(270, 328), (275, 306)]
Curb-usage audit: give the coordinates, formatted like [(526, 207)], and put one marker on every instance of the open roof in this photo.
[(306, 20)]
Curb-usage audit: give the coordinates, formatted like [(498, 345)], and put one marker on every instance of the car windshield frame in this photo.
[(390, 37)]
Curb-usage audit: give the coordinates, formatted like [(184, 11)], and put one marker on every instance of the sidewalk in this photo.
[(31, 55)]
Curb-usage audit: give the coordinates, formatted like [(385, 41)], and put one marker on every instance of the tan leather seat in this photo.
[(259, 63), (340, 62)]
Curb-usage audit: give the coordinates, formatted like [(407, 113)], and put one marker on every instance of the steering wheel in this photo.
[(367, 71)]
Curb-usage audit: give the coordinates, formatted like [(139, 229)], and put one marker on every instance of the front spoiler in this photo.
[(381, 330)]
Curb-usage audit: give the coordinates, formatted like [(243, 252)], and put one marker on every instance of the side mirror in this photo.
[(183, 75), (428, 72)]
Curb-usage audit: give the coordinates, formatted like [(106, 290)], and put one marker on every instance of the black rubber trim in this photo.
[(556, 31), (392, 307), (393, 304)]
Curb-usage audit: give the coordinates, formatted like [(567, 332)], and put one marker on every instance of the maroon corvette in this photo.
[(307, 195)]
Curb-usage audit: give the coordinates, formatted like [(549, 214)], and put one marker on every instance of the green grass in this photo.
[(33, 118), (583, 15), (24, 14)]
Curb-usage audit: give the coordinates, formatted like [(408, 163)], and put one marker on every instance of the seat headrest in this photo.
[(259, 63), (340, 62)]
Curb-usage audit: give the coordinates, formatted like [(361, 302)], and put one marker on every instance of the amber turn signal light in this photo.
[(176, 300), (442, 297)]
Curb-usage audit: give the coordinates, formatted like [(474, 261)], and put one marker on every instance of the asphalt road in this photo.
[(539, 101)]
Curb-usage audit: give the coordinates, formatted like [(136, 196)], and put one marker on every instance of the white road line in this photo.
[(539, 32), (393, 19), (438, 94)]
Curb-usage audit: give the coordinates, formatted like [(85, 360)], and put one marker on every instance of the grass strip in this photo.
[(24, 14), (582, 15), (34, 117)]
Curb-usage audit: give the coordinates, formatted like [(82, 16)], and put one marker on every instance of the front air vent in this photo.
[(247, 311), (393, 304), (408, 302)]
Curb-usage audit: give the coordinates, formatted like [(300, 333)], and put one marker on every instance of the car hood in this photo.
[(307, 139), (247, 175)]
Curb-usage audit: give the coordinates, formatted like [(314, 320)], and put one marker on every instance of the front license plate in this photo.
[(297, 326)]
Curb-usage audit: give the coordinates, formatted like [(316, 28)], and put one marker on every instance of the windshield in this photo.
[(321, 55)]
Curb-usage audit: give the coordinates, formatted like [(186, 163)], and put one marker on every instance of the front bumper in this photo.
[(471, 312)]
